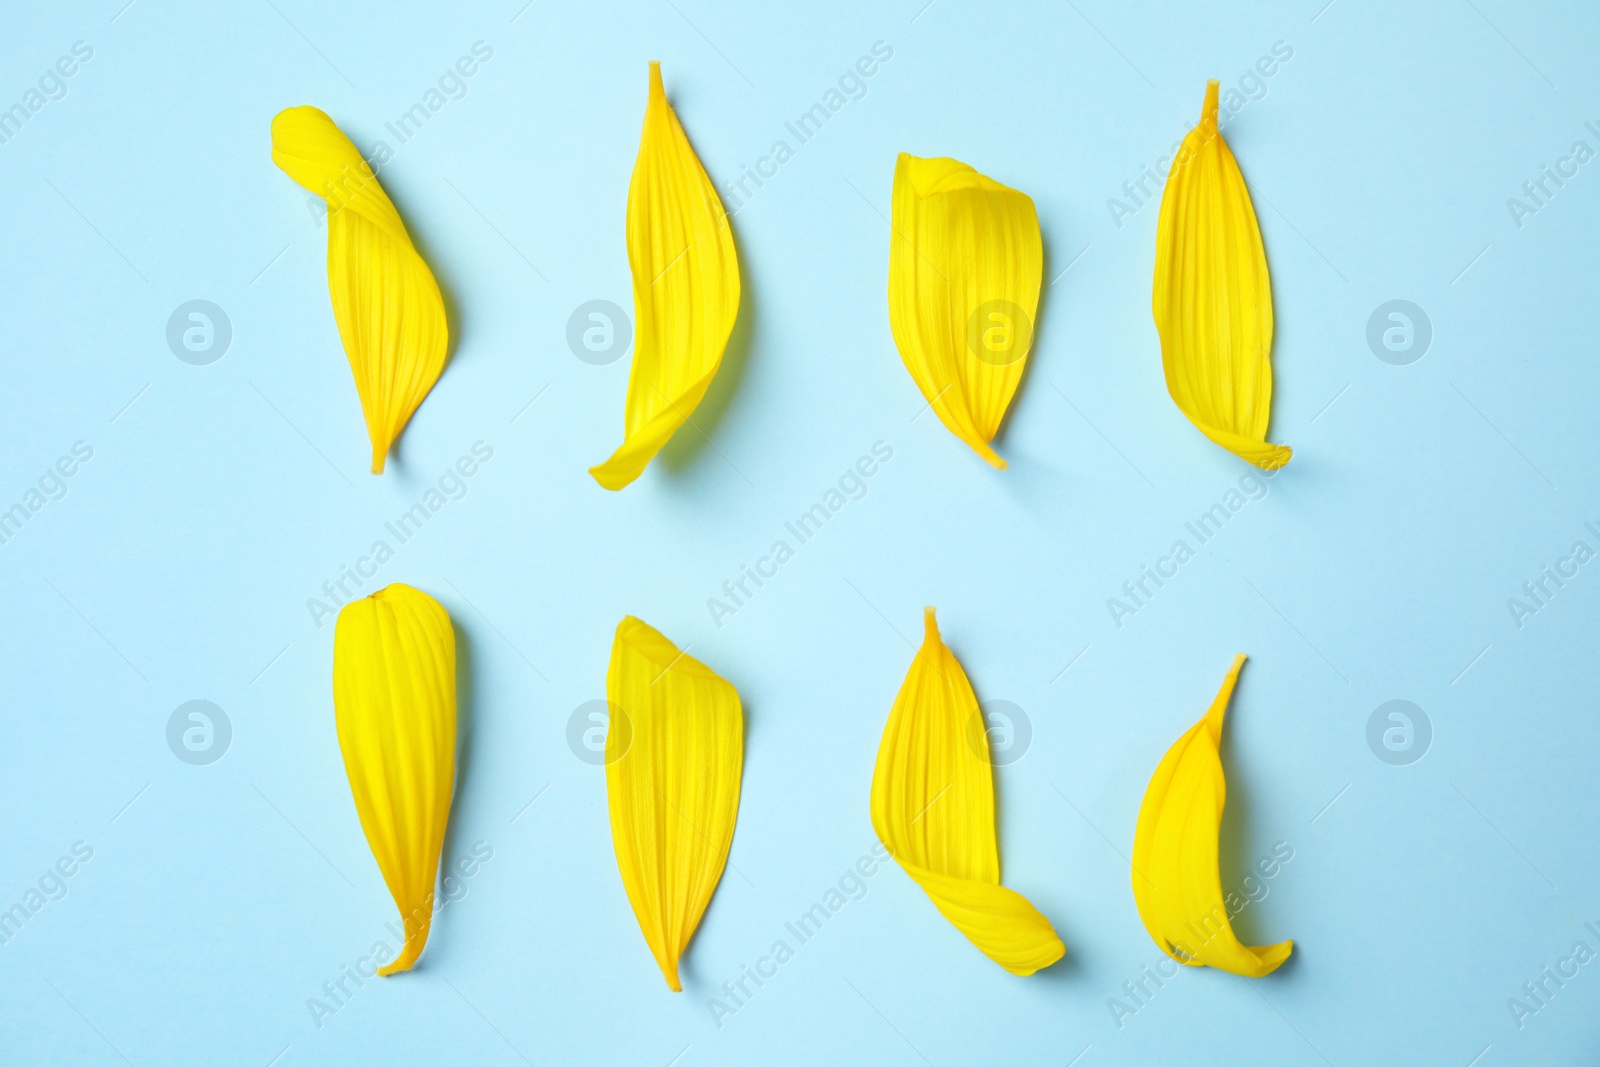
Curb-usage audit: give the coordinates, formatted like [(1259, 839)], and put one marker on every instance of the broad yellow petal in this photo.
[(1176, 883), (685, 289), (1213, 297), (933, 809), (394, 700), (672, 780), (965, 259), (390, 315)]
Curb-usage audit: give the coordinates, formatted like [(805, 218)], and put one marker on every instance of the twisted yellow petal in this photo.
[(1213, 297), (965, 258), (390, 315), (672, 780), (685, 289), (394, 700), (1176, 882), (933, 808)]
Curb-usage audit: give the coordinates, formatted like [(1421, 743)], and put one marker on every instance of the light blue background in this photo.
[(220, 898)]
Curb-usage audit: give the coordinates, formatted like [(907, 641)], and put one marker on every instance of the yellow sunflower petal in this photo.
[(1176, 882), (685, 289), (672, 781), (1213, 297), (394, 700), (933, 808), (390, 315), (965, 258)]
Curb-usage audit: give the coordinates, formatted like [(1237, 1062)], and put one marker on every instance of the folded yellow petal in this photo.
[(685, 289), (965, 258), (394, 700), (390, 314), (933, 808), (1213, 297), (1176, 881), (672, 782)]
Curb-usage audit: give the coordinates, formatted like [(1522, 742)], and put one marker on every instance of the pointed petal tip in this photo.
[(1208, 110), (656, 86), (1219, 706), (408, 955), (984, 450), (930, 624), (1268, 959)]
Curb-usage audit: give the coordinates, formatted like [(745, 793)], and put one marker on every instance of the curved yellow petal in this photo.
[(685, 289), (965, 258), (394, 700), (933, 809), (1176, 882), (1213, 297), (390, 314), (672, 782)]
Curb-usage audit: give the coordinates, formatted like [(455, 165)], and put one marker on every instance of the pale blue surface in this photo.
[(180, 560)]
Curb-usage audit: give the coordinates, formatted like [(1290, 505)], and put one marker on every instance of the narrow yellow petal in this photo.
[(672, 781), (394, 700), (965, 258), (1213, 297), (685, 289), (933, 809), (390, 315), (1176, 881)]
